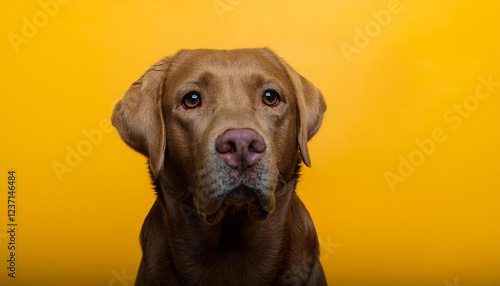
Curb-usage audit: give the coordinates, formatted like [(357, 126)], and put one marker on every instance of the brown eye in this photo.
[(191, 100), (271, 98)]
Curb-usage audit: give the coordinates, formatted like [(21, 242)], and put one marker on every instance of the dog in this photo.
[(225, 133)]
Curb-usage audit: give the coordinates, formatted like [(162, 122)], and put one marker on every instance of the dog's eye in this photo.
[(271, 98), (191, 100)]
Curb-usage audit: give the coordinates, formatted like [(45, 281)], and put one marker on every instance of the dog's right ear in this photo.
[(138, 116)]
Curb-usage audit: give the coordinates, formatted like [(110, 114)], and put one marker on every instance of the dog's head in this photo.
[(224, 125)]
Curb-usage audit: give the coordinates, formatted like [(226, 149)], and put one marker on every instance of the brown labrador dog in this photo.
[(225, 132)]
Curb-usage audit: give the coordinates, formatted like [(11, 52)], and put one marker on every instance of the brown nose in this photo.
[(240, 148)]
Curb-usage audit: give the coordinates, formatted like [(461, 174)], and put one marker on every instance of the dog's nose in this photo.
[(240, 148)]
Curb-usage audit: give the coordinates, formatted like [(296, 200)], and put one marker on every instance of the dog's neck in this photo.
[(190, 239)]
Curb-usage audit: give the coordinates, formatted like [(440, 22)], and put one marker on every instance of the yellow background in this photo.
[(441, 226)]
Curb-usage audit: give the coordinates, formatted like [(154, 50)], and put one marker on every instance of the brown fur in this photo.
[(192, 236)]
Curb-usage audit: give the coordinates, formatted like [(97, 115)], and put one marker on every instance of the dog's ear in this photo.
[(138, 117), (310, 105)]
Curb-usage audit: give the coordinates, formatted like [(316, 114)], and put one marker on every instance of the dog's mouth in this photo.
[(241, 195), (242, 199), (221, 189)]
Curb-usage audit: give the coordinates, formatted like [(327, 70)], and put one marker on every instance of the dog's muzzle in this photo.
[(239, 175)]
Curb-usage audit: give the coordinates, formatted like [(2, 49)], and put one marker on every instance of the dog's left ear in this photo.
[(138, 117), (311, 107)]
